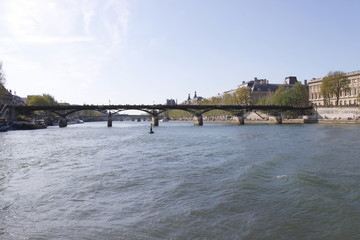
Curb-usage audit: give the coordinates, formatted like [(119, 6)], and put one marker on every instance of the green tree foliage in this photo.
[(178, 114), (280, 97), (2, 91), (41, 100), (297, 95), (243, 96), (267, 100), (2, 80), (2, 74), (228, 99), (89, 113), (333, 84)]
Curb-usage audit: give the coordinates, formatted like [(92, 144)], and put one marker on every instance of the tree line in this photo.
[(294, 96), (2, 80)]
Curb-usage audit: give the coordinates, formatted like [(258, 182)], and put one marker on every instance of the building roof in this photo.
[(265, 87)]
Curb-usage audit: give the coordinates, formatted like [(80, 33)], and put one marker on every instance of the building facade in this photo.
[(193, 101), (260, 88), (347, 98), (170, 102)]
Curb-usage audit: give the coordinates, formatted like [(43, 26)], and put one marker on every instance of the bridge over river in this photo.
[(238, 111)]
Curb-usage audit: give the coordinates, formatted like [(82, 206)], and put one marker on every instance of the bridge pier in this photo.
[(275, 119), (109, 122), (239, 119), (62, 122), (198, 120), (155, 121)]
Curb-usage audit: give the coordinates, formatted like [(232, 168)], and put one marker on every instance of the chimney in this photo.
[(305, 82)]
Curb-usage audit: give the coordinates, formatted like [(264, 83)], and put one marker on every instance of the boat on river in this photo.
[(4, 128), (76, 121), (3, 125), (24, 125)]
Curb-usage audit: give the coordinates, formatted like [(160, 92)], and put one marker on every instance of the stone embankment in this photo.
[(339, 115)]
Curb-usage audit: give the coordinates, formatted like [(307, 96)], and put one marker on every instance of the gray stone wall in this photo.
[(338, 113)]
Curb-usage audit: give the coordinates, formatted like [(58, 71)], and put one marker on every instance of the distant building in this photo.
[(290, 80), (18, 100), (261, 87), (171, 102), (6, 97), (346, 98), (193, 101)]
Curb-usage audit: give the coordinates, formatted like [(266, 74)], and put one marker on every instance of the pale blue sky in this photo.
[(145, 51)]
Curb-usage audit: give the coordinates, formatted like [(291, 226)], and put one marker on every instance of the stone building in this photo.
[(194, 100), (346, 98), (170, 102), (8, 98), (260, 88)]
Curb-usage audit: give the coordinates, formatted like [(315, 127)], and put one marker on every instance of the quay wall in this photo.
[(321, 115), (338, 113)]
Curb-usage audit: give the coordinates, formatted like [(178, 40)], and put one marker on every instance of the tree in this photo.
[(267, 100), (300, 94), (243, 96), (228, 99), (2, 74), (44, 100), (280, 97), (296, 95), (2, 81), (333, 85)]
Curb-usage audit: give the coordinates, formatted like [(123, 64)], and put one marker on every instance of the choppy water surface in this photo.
[(213, 182)]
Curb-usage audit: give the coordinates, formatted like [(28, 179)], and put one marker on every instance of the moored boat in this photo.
[(4, 128), (76, 121), (24, 125), (3, 125)]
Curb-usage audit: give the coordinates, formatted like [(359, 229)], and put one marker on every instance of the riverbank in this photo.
[(284, 121)]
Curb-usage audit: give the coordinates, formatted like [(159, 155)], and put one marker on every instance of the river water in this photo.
[(217, 181)]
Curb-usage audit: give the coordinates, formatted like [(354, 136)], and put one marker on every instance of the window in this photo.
[(349, 102)]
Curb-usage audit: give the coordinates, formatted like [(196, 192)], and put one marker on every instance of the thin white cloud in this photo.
[(88, 13), (70, 40), (117, 24), (37, 17), (47, 39), (54, 21), (157, 41)]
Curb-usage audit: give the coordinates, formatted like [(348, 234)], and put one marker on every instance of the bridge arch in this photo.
[(155, 110)]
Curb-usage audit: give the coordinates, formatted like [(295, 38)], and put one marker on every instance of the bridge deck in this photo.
[(161, 107)]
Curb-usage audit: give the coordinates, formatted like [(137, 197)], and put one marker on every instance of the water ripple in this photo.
[(183, 182)]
